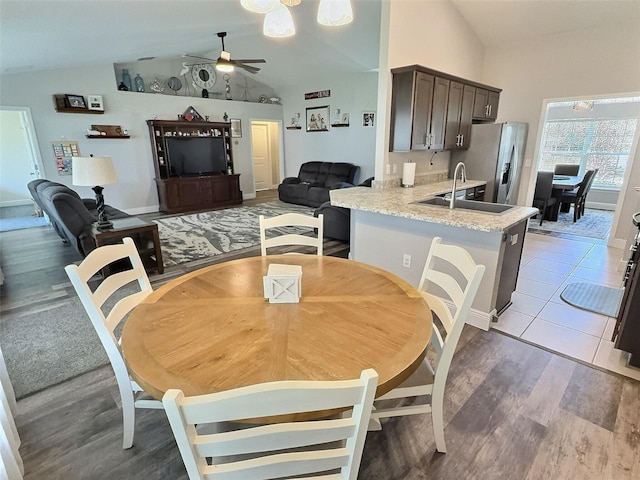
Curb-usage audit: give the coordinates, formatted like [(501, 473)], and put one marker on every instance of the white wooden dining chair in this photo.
[(291, 220), (274, 450), (105, 324), (453, 263)]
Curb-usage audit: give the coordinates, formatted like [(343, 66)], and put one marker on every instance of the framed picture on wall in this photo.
[(368, 119), (236, 128), (76, 101), (318, 119)]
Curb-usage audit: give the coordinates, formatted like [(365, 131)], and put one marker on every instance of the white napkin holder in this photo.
[(283, 283)]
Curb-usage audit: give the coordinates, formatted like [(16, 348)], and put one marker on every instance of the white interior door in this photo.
[(265, 153), (19, 156)]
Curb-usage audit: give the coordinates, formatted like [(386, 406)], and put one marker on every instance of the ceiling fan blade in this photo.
[(248, 68), (258, 60), (186, 55)]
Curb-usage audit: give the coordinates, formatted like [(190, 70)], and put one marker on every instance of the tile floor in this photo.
[(538, 315)]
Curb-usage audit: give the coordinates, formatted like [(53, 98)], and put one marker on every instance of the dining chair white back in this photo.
[(291, 220), (95, 304), (452, 269), (281, 449), (11, 465)]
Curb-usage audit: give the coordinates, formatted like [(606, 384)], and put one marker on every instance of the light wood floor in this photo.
[(512, 410)]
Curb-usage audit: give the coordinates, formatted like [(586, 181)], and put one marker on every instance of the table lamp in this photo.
[(96, 171)]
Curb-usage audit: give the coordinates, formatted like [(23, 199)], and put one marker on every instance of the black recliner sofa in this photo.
[(70, 215), (315, 179)]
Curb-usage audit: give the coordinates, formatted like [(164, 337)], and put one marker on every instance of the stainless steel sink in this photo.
[(484, 207)]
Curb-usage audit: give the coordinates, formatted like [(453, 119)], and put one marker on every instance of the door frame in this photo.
[(35, 162), (279, 138)]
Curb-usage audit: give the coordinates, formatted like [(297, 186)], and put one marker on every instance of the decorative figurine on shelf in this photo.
[(227, 87), (139, 83), (126, 79), (225, 117), (205, 93), (123, 87)]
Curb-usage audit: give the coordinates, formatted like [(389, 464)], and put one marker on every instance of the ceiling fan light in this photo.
[(290, 3), (333, 13), (259, 6), (223, 64), (278, 23)]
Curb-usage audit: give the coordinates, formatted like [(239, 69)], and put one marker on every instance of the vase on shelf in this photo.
[(126, 79), (139, 83)]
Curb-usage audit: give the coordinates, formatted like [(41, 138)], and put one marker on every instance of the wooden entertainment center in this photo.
[(185, 182)]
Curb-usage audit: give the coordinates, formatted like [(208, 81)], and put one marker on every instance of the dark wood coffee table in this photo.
[(144, 234)]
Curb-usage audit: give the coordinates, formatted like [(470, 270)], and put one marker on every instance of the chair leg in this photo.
[(576, 209), (128, 417), (437, 417)]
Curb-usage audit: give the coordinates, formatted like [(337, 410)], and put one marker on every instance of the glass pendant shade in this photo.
[(291, 3), (259, 6), (333, 13), (278, 23)]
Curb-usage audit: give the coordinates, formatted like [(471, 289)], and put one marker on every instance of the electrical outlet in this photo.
[(388, 169), (406, 260), (395, 168)]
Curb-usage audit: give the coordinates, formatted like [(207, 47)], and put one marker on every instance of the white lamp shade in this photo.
[(333, 13), (278, 23), (223, 64), (93, 171), (259, 6)]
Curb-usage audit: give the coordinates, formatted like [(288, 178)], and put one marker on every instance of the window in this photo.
[(592, 134)]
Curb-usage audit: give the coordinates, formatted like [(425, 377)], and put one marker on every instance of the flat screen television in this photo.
[(196, 156)]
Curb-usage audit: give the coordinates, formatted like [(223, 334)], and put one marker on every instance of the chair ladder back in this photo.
[(93, 302), (270, 444), (291, 220)]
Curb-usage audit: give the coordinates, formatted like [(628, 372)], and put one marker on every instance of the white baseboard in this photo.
[(248, 196), (476, 318), (16, 203), (600, 206), (141, 210)]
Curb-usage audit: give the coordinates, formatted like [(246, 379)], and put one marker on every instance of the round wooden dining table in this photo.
[(212, 329)]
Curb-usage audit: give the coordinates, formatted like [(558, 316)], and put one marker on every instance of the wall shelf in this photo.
[(108, 136), (293, 128), (78, 110)]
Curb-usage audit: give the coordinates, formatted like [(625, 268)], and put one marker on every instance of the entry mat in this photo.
[(595, 298)]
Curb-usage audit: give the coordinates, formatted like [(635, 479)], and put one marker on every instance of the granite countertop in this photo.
[(397, 201)]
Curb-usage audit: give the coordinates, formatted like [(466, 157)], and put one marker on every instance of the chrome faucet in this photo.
[(459, 166)]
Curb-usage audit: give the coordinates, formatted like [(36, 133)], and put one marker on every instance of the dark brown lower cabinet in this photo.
[(186, 194), (626, 335)]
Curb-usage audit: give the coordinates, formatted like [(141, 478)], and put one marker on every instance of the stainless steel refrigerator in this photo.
[(495, 154)]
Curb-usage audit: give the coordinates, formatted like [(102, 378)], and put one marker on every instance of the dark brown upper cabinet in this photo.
[(485, 105), (432, 110), (459, 112)]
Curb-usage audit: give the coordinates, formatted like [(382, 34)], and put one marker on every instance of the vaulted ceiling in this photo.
[(37, 34)]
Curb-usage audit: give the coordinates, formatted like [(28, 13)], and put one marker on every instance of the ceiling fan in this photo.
[(224, 63)]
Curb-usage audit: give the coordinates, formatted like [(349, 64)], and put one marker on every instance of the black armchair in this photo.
[(579, 198), (337, 220), (543, 197)]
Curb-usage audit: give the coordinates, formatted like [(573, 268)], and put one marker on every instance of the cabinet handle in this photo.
[(426, 139), (490, 109), (462, 140), (486, 110)]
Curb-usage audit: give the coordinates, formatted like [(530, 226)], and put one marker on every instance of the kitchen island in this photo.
[(389, 230)]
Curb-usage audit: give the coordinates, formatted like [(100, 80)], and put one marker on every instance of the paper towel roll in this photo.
[(408, 174)]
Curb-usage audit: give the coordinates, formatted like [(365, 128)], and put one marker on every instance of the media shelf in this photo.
[(193, 163)]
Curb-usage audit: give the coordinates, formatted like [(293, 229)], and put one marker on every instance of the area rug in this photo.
[(593, 224), (199, 235), (19, 223), (594, 298)]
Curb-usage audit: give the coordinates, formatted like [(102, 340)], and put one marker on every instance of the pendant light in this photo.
[(334, 13), (259, 6), (278, 23)]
